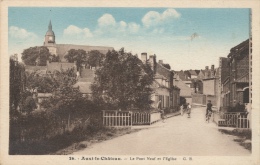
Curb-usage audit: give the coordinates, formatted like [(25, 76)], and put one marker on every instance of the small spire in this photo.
[(50, 26)]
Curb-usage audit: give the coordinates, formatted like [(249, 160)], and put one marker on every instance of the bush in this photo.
[(44, 132)]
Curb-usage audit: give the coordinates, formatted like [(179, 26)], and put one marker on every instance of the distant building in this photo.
[(185, 90), (85, 75), (62, 49), (208, 86)]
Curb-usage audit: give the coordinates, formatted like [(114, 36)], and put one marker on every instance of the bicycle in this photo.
[(208, 116)]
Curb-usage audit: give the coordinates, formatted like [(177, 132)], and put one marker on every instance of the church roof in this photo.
[(62, 49)]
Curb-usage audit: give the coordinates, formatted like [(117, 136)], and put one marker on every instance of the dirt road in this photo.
[(179, 135)]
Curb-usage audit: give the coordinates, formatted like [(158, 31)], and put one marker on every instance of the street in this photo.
[(179, 135)]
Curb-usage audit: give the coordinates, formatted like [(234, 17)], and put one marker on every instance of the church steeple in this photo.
[(49, 36), (50, 26)]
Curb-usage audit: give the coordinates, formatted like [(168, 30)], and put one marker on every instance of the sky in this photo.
[(185, 38)]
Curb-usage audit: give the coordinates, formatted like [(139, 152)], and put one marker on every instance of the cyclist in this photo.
[(209, 109)]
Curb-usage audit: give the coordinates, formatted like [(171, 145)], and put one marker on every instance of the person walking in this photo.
[(184, 107), (209, 109), (188, 110), (181, 109)]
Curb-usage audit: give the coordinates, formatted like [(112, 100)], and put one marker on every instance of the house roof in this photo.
[(184, 89), (59, 65), (193, 72), (158, 76), (38, 69), (183, 75), (87, 75), (197, 71), (236, 51), (84, 87), (202, 71)]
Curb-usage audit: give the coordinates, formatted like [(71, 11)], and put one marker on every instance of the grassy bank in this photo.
[(102, 135), (242, 136)]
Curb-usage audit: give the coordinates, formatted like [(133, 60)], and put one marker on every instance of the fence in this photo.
[(243, 122), (139, 118), (114, 118), (231, 119)]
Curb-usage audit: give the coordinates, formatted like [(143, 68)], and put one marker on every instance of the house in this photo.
[(163, 84), (201, 75), (208, 87), (236, 84), (223, 75), (185, 90), (84, 82), (193, 74)]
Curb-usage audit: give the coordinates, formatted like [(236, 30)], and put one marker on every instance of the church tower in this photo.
[(49, 36), (49, 40)]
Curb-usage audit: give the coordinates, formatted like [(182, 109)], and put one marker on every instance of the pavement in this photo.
[(177, 136)]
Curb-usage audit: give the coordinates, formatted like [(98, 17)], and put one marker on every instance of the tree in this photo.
[(167, 66), (17, 81), (123, 81), (66, 100), (36, 55), (197, 84), (80, 56), (95, 58), (43, 83), (54, 58)]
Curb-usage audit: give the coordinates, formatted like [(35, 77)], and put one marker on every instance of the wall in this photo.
[(197, 99), (189, 100), (209, 86), (52, 50), (161, 94), (243, 65)]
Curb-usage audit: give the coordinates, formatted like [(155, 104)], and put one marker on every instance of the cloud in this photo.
[(107, 25), (20, 33), (133, 27), (106, 20), (77, 32), (170, 14), (153, 18)]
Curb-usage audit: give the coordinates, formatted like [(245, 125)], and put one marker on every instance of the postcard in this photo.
[(129, 82)]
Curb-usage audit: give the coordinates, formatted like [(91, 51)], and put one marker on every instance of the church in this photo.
[(62, 49), (86, 75)]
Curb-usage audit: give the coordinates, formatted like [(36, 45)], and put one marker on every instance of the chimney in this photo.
[(212, 71), (144, 57), (160, 61), (151, 61)]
